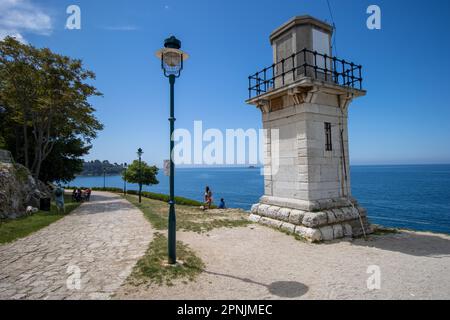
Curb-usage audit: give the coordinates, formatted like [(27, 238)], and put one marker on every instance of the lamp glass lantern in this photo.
[(172, 57)]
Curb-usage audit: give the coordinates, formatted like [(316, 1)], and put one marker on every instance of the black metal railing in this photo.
[(305, 63)]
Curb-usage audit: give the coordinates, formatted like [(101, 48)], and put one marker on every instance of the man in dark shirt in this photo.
[(222, 204)]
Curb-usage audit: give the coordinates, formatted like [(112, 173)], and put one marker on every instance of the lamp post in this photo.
[(172, 63), (139, 153), (104, 178), (124, 179)]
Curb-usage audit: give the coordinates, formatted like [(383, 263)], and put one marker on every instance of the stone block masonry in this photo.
[(326, 225)]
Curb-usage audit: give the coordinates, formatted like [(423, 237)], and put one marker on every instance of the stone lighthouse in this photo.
[(304, 98)]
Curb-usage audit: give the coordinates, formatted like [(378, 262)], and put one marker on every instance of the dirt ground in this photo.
[(256, 262)]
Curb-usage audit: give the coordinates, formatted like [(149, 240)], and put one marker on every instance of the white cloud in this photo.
[(18, 17), (121, 28)]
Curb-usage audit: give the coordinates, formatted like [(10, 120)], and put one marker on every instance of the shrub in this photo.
[(108, 189), (22, 173)]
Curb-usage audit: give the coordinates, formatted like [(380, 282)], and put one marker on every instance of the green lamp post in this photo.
[(104, 178), (139, 153), (172, 59), (124, 179)]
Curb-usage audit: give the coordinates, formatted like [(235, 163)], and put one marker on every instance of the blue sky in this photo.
[(404, 119)]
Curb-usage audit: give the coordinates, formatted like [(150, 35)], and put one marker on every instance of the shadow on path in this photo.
[(283, 289), (411, 243)]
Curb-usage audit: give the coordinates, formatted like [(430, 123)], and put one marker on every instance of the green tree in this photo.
[(45, 96), (18, 76), (2, 120), (64, 162), (147, 177)]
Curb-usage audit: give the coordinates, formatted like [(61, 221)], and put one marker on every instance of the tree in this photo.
[(17, 89), (2, 120), (147, 177), (45, 96), (64, 162)]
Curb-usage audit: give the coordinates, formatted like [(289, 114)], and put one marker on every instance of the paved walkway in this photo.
[(100, 241)]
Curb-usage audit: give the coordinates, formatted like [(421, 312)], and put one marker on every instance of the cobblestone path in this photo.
[(86, 255)]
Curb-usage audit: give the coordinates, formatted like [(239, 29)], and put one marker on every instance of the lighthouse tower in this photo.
[(304, 98)]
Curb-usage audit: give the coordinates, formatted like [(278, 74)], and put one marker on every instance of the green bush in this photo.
[(165, 198), (22, 173), (110, 189), (115, 190)]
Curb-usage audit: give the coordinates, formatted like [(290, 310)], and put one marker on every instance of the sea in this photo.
[(415, 197)]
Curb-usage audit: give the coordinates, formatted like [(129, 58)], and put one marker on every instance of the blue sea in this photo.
[(415, 197)]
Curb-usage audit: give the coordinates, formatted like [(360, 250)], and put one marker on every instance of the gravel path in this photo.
[(260, 263), (101, 241)]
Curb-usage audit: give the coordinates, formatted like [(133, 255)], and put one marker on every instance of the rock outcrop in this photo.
[(18, 189)]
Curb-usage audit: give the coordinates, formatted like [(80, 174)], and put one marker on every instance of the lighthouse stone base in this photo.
[(321, 221)]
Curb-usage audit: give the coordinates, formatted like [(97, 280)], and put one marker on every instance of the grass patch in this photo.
[(11, 230), (296, 236), (381, 231), (189, 218), (300, 238), (153, 269), (165, 198)]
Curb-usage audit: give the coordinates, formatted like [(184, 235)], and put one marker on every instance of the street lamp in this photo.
[(172, 59), (124, 179), (104, 178), (139, 153)]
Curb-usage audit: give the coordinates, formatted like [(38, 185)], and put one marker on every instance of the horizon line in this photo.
[(260, 166)]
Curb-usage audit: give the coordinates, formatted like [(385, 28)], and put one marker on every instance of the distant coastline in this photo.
[(118, 172)]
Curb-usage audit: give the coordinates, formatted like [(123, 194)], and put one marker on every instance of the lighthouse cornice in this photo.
[(305, 90)]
